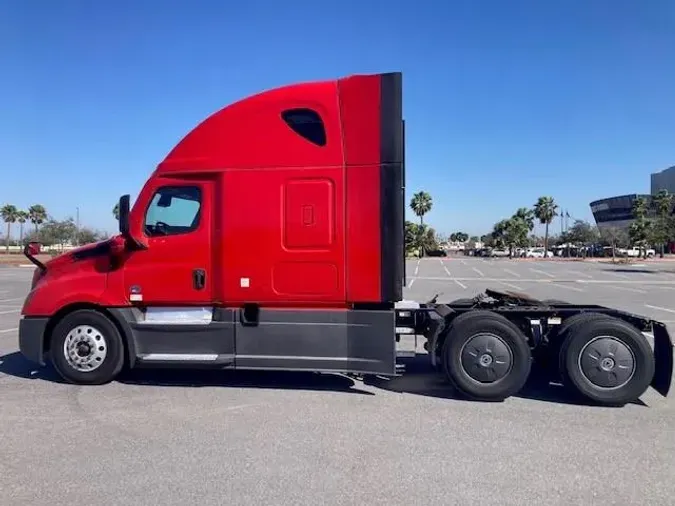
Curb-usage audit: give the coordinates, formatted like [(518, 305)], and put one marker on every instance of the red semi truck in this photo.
[(272, 237)]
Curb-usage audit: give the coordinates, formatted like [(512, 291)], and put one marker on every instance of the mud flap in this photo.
[(663, 356), (434, 329)]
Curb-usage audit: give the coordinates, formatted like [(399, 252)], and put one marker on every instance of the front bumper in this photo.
[(31, 338)]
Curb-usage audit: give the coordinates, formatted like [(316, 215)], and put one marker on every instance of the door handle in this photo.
[(198, 279)]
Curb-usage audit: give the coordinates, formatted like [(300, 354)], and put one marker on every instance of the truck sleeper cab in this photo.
[(272, 237)]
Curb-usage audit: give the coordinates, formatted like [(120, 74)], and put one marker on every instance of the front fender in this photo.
[(54, 292)]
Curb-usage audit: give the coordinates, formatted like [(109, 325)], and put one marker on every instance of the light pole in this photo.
[(77, 226)]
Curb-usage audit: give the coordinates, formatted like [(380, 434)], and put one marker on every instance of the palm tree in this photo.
[(37, 215), (527, 215), (545, 210), (9, 216), (421, 204), (116, 211), (21, 217)]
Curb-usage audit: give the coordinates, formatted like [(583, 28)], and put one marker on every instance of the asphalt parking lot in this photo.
[(176, 437)]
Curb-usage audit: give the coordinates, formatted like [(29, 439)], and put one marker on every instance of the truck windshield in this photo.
[(173, 210)]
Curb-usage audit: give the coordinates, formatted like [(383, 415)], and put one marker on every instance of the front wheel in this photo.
[(485, 356), (86, 348)]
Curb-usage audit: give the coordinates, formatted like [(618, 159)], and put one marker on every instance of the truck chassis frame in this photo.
[(557, 333)]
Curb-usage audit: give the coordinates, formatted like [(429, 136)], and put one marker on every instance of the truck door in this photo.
[(176, 268)]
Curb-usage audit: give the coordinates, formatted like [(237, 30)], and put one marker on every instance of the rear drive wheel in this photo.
[(86, 348), (606, 360), (485, 356)]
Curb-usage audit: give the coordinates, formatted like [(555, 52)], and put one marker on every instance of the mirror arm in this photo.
[(33, 260)]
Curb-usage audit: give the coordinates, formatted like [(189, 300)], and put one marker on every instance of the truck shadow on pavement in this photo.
[(627, 270), (14, 364), (419, 379)]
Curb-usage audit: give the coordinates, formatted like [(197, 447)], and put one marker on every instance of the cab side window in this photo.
[(173, 210)]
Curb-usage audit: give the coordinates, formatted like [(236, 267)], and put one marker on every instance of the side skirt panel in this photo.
[(180, 343), (357, 341)]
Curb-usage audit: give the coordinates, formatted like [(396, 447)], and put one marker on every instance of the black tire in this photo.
[(548, 358), (469, 373), (618, 367), (100, 345)]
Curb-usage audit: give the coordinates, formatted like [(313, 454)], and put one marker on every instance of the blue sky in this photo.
[(504, 101)]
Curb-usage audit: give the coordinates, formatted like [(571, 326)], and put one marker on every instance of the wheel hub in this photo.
[(85, 348), (607, 362), (486, 358)]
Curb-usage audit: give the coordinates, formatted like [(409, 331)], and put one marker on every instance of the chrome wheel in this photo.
[(85, 348)]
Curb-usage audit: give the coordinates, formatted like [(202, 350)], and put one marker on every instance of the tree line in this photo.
[(511, 232), (514, 232), (654, 222), (46, 230), (653, 225)]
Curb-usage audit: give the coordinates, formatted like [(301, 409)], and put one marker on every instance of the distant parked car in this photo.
[(538, 253), (635, 252), (498, 252), (437, 253)]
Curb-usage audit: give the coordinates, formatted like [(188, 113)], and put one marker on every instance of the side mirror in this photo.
[(124, 215), (125, 230), (33, 248)]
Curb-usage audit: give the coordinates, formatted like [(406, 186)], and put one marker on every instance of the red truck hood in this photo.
[(88, 251)]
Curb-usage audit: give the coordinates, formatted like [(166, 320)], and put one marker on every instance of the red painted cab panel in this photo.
[(291, 197)]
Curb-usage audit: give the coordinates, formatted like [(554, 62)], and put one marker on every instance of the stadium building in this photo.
[(617, 212)]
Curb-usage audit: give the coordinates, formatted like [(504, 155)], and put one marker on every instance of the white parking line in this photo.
[(10, 300), (479, 272), (543, 272), (445, 268), (636, 290), (509, 271), (5, 331), (411, 283), (579, 273), (618, 274), (417, 267), (613, 282), (660, 308), (569, 287), (511, 285), (460, 284), (10, 311)]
